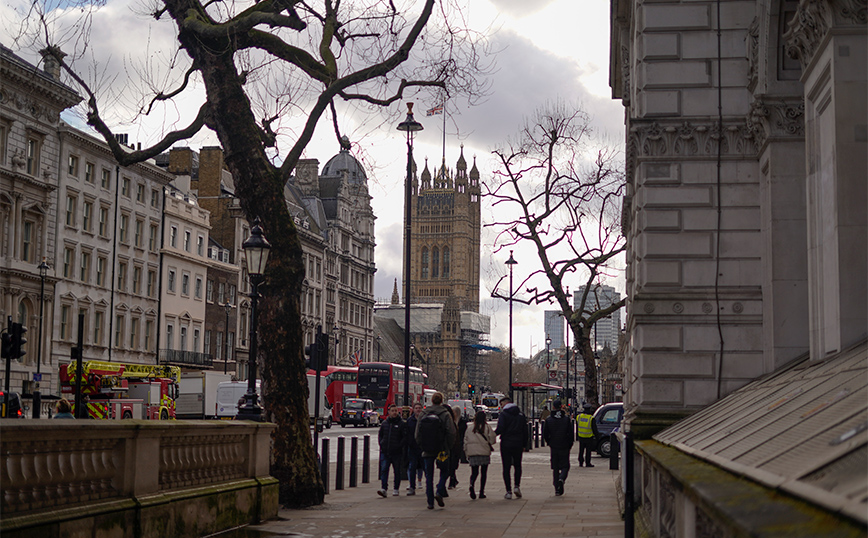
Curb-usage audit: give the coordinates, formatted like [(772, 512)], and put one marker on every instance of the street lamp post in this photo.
[(567, 385), (256, 250), (410, 126), (227, 308), (37, 396), (379, 338), (548, 352), (510, 262)]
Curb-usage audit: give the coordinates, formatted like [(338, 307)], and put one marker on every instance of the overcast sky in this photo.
[(545, 50)]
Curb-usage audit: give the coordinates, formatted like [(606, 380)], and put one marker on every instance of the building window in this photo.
[(183, 338), (149, 329), (155, 198), (101, 263), (103, 222), (200, 245), (209, 291), (89, 172), (229, 345), (134, 336), (221, 292), (219, 349), (185, 285), (424, 263), (435, 262), (70, 210), (198, 290), (124, 229), (152, 239), (140, 193), (119, 330), (140, 225), (187, 240), (196, 340), (122, 276), (170, 337), (85, 267), (68, 256), (125, 187), (73, 165), (207, 349), (171, 281), (137, 280), (27, 242), (97, 328), (87, 217), (231, 297), (152, 282), (173, 238), (64, 322), (33, 147), (105, 178)]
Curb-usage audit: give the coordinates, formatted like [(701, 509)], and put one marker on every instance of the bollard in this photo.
[(542, 433), (529, 446), (339, 468), (324, 463), (614, 449), (536, 432), (366, 459), (354, 461)]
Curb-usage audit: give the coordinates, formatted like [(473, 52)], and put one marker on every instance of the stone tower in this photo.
[(445, 232)]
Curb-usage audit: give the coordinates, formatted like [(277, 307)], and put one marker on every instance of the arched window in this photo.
[(424, 263), (446, 262), (435, 263), (22, 313)]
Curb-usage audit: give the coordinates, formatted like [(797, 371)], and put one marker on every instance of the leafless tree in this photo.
[(562, 191), (262, 63)]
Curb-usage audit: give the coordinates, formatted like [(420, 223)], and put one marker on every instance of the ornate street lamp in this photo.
[(548, 354), (37, 396), (228, 309), (510, 262), (409, 126), (256, 250)]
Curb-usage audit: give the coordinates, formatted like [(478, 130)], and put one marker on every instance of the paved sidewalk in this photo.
[(589, 507)]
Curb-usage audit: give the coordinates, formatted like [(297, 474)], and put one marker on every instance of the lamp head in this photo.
[(410, 125), (256, 250)]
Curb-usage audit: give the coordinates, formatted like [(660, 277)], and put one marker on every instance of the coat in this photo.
[(558, 431), (479, 444), (512, 428), (393, 436)]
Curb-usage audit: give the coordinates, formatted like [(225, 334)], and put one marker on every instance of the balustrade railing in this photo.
[(48, 464)]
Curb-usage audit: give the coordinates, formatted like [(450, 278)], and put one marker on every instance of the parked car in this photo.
[(359, 412), (607, 418), (11, 405)]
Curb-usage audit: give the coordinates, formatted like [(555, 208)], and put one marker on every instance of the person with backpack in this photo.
[(478, 443), (435, 433), (558, 433), (415, 469), (393, 442), (587, 433), (512, 429)]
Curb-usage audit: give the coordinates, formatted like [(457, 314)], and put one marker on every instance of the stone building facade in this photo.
[(745, 219)]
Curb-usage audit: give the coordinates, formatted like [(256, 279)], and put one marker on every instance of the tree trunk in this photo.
[(260, 190), (583, 343)]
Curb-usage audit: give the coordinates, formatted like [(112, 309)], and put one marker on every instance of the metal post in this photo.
[(366, 459), (324, 464), (339, 464), (78, 351), (228, 308), (354, 461), (537, 430), (251, 409), (628, 489), (510, 262), (37, 395)]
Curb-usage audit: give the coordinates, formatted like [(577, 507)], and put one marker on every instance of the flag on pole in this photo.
[(357, 357), (434, 111)]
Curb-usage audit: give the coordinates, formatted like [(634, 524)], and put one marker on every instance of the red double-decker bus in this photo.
[(383, 382), (340, 384)]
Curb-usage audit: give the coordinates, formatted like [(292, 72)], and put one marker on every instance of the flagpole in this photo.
[(444, 135)]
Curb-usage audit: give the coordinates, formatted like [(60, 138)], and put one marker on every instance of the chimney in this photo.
[(51, 58)]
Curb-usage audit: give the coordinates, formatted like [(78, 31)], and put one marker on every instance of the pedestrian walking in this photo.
[(393, 443), (558, 433), (415, 470), (478, 443), (587, 433), (512, 429), (435, 433), (457, 453)]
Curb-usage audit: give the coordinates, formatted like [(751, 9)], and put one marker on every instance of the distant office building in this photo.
[(554, 326), (606, 330)]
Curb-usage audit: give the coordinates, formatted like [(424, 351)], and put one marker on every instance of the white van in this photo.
[(466, 406), (228, 394)]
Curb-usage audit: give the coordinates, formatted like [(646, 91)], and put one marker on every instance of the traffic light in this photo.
[(16, 350), (322, 351), (471, 389), (7, 345), (311, 360)]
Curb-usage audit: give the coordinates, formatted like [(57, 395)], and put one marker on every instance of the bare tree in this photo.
[(562, 191), (261, 63)]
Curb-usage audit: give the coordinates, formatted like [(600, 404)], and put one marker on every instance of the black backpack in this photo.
[(432, 434)]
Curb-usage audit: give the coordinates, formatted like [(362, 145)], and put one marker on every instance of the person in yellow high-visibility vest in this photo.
[(587, 433)]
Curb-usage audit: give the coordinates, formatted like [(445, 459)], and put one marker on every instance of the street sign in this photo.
[(37, 377), (617, 386), (553, 375)]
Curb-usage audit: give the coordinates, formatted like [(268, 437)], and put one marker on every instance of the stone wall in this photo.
[(134, 478)]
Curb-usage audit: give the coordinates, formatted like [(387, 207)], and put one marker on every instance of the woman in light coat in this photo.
[(478, 443)]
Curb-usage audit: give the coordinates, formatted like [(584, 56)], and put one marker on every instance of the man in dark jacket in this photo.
[(558, 433), (429, 456), (414, 451), (393, 443), (512, 429)]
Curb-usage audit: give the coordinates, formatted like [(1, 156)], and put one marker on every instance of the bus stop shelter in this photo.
[(530, 397)]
